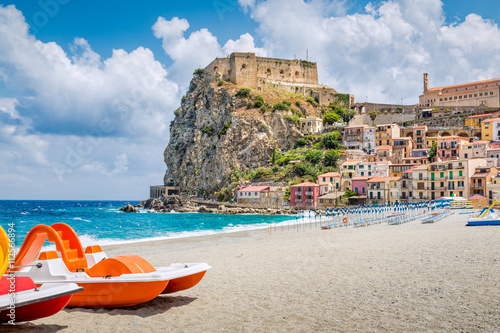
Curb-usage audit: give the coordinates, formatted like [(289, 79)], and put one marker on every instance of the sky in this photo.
[(88, 88)]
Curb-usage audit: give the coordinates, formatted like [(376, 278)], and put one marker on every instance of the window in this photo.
[(244, 66), (480, 94), (296, 73), (282, 72)]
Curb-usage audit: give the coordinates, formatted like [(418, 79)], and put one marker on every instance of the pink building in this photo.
[(304, 194), (359, 184), (448, 147)]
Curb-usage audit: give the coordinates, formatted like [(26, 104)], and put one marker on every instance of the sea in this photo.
[(102, 222)]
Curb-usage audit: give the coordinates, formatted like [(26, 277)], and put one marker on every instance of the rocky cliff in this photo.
[(215, 132)]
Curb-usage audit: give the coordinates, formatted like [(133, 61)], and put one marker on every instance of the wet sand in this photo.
[(382, 278)]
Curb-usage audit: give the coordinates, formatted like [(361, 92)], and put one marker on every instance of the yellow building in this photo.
[(476, 120), (490, 129), (481, 93)]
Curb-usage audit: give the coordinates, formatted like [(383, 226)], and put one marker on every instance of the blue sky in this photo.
[(87, 93)]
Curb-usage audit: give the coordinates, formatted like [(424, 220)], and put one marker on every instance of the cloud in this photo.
[(245, 43), (383, 52), (198, 50), (68, 93)]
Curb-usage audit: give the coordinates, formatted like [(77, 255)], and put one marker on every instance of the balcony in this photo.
[(309, 193), (309, 200), (439, 188), (473, 185)]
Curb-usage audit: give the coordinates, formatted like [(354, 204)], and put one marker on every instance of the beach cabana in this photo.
[(477, 200)]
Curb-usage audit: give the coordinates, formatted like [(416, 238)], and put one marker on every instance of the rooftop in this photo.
[(464, 84), (305, 184), (254, 189)]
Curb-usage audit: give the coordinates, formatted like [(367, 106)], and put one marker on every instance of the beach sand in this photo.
[(410, 277)]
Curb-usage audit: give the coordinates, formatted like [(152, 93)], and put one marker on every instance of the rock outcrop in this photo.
[(214, 132), (128, 209)]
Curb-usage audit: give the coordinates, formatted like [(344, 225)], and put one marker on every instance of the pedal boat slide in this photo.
[(21, 300), (108, 282)]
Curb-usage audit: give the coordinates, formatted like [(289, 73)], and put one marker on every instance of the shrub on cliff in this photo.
[(224, 129), (249, 105), (220, 83), (263, 108), (301, 142), (244, 92), (298, 103), (198, 71), (259, 101), (312, 101), (293, 119), (280, 106), (207, 130)]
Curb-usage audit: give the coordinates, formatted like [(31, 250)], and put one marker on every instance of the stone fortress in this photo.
[(295, 76)]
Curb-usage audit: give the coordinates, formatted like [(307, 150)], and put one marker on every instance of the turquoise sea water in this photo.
[(101, 222)]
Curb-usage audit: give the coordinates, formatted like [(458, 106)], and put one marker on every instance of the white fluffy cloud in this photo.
[(198, 50), (383, 52)]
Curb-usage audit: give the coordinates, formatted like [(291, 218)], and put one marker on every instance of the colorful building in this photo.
[(448, 147), (384, 134), (490, 129), (419, 137), (252, 195), (311, 125), (329, 182), (484, 93), (359, 184), (480, 179), (377, 190), (304, 194)]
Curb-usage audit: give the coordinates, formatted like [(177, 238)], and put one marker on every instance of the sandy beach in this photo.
[(402, 278)]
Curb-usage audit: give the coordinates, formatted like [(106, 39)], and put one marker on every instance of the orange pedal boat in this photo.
[(21, 300), (108, 282)]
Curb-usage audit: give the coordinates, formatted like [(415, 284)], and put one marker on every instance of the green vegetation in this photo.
[(312, 101), (281, 106), (263, 108), (224, 129), (298, 103), (331, 118), (433, 151), (177, 112), (301, 142), (220, 83), (259, 101), (373, 115), (207, 130), (348, 193), (314, 156), (342, 99), (198, 71), (306, 63), (331, 140), (331, 158), (249, 105), (293, 119), (244, 92)]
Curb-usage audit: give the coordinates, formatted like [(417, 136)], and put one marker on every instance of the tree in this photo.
[(433, 151), (373, 115), (331, 140), (314, 156), (301, 142), (244, 92), (331, 158), (331, 118)]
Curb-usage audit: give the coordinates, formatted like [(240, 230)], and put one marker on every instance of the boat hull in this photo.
[(27, 302), (183, 283), (116, 294), (483, 223)]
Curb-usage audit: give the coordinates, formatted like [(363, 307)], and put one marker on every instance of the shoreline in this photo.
[(409, 277)]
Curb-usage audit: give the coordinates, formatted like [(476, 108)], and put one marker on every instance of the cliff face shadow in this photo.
[(160, 304), (30, 327)]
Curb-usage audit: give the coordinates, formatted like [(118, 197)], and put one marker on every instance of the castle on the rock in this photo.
[(296, 76)]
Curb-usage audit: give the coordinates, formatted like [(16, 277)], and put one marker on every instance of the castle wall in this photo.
[(290, 71), (220, 66), (243, 69)]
